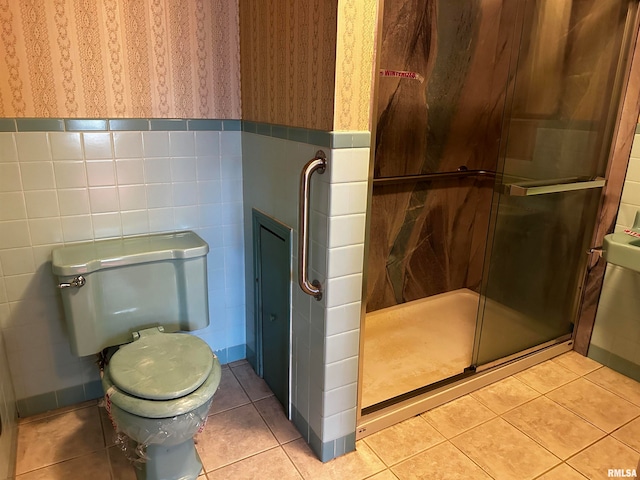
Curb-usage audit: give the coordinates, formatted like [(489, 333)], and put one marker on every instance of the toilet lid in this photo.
[(161, 366)]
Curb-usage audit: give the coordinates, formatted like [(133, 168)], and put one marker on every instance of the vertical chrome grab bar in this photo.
[(319, 164)]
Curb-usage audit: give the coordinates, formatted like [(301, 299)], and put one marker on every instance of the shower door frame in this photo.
[(623, 135)]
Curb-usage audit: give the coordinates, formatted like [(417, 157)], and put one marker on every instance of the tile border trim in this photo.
[(614, 362), (328, 139)]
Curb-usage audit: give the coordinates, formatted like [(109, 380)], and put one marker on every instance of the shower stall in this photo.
[(494, 126)]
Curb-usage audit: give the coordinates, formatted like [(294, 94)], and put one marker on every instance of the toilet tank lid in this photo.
[(88, 257)]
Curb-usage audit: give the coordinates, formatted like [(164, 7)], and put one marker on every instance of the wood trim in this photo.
[(616, 172)]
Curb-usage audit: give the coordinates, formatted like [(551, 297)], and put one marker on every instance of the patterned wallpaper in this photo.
[(307, 63), (356, 29), (119, 58)]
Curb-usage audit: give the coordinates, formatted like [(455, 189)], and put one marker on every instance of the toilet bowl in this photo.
[(138, 294), (158, 390)]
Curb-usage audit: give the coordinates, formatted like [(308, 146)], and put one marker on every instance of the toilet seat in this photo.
[(161, 366), (164, 381)]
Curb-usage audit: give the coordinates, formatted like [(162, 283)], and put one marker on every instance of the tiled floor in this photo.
[(524, 427)]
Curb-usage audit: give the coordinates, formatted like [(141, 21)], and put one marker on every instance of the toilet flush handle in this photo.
[(77, 282)]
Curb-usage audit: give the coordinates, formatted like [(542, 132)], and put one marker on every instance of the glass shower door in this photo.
[(564, 96)]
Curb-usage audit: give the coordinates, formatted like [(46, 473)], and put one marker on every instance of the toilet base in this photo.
[(177, 462)]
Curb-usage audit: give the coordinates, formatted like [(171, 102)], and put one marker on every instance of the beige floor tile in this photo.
[(94, 466), (562, 472), (629, 434), (442, 462), (546, 376), (233, 435), (557, 429), (401, 441), (121, 467), (578, 364), (595, 404), (229, 394), (273, 414), (57, 411), (504, 452), (357, 465), (273, 464), (255, 387), (108, 431), (457, 416), (617, 383), (505, 395), (383, 475), (608, 453), (59, 437)]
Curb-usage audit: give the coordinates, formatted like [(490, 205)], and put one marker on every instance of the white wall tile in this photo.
[(18, 286), (209, 191), (182, 144), (10, 177), (340, 399), (160, 219), (37, 175), (127, 144), (33, 147), (106, 225), (132, 197), (15, 234), (346, 230), (345, 260), (103, 199), (231, 168), (129, 172), (230, 144), (155, 144), (348, 198), (207, 143), (185, 218), (157, 170), (73, 201), (633, 170), (135, 222), (184, 194), (101, 173), (342, 346), (349, 165), (343, 318), (17, 261), (183, 169), (45, 231), (77, 228), (631, 193), (208, 168), (12, 206), (159, 195), (42, 203), (97, 145), (231, 191), (70, 174), (65, 145), (343, 290), (8, 150)]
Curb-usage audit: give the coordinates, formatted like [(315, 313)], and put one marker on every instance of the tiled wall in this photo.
[(616, 333), (325, 334), (76, 184)]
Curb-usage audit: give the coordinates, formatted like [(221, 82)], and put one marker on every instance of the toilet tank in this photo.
[(130, 284)]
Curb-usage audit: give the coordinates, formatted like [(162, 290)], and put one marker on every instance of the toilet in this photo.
[(129, 300)]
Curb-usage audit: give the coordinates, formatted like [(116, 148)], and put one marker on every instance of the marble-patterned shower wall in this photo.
[(429, 237), (511, 87)]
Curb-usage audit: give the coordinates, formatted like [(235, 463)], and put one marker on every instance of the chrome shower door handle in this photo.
[(528, 189), (316, 164)]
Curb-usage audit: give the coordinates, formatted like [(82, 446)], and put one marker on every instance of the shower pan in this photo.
[(494, 125)]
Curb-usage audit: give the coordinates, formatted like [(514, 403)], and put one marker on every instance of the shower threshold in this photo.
[(417, 343)]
